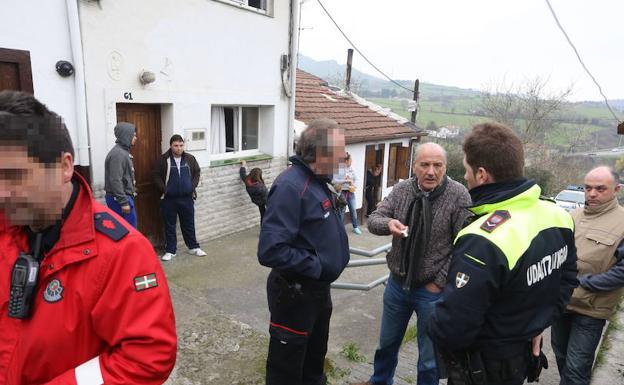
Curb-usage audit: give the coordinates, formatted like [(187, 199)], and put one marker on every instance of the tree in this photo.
[(431, 126), (619, 165), (338, 80), (529, 108)]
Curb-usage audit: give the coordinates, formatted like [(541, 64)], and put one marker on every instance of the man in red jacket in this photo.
[(83, 299)]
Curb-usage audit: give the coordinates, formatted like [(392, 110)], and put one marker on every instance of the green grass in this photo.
[(333, 372), (458, 110), (352, 352), (606, 344), (410, 334)]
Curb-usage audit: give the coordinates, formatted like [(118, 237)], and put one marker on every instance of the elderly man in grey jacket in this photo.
[(119, 173), (423, 213)]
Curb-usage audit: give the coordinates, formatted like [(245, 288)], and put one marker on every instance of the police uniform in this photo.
[(102, 313), (513, 269)]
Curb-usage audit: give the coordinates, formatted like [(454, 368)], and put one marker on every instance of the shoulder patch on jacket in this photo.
[(109, 226), (496, 219)]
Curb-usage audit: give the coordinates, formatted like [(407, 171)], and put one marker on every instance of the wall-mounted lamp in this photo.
[(147, 77), (64, 68)]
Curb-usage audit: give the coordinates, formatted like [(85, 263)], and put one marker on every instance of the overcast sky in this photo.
[(474, 43)]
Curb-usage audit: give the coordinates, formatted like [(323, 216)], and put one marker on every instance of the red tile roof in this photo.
[(314, 99)]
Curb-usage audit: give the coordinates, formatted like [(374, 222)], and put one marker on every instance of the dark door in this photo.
[(375, 156), (15, 70), (146, 118)]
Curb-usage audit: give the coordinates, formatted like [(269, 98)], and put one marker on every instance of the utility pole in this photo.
[(416, 83), (348, 74)]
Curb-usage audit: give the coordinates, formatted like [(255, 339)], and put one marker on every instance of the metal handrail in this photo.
[(364, 262)]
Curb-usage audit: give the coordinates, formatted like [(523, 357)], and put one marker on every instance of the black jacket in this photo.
[(301, 233), (257, 191), (161, 166), (513, 269)]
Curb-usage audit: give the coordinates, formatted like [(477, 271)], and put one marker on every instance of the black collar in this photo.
[(499, 191), (51, 234)]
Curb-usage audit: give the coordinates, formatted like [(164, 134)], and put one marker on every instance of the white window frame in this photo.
[(240, 153), (244, 4)]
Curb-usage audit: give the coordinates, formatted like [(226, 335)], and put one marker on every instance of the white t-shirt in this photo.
[(177, 160)]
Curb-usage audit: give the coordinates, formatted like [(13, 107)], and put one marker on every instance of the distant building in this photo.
[(445, 132)]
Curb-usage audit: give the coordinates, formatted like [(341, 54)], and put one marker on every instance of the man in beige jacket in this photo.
[(599, 238)]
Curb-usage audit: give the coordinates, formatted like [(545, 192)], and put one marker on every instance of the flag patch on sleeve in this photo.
[(144, 282)]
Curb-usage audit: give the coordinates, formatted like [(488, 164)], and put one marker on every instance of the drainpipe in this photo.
[(82, 132), (295, 16)]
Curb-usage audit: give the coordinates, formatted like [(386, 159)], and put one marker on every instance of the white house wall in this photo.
[(41, 27), (203, 53)]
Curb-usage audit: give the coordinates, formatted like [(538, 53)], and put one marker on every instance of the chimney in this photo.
[(348, 74)]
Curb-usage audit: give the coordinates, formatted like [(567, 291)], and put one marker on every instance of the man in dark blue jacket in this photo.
[(176, 176), (304, 242)]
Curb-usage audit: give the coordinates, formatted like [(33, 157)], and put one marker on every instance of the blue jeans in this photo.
[(350, 197), (398, 306), (131, 217), (574, 339)]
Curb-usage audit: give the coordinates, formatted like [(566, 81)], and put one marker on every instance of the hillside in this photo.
[(580, 126)]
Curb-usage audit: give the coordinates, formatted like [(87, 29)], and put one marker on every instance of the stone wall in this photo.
[(223, 206)]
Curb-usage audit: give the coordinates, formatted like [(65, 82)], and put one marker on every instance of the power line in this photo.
[(578, 56), (358, 51)]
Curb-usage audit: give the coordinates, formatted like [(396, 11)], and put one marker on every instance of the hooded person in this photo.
[(119, 173)]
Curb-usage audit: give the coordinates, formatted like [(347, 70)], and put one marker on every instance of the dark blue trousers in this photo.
[(171, 209), (574, 339), (131, 217)]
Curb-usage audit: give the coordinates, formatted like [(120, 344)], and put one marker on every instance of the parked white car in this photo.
[(571, 198)]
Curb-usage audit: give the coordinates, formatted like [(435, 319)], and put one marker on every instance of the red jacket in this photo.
[(102, 313)]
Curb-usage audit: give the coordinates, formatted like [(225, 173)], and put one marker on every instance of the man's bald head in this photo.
[(602, 184), (430, 148), (429, 165)]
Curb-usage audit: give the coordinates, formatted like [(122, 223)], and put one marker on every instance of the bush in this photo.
[(542, 177)]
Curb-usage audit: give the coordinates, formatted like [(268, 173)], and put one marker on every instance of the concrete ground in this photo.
[(222, 317)]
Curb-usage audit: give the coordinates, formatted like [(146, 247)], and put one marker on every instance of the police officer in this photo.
[(304, 241), (513, 268), (83, 299)]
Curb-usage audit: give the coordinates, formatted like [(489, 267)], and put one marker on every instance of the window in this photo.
[(255, 5), (398, 163), (234, 129)]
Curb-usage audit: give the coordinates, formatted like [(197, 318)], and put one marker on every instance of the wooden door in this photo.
[(402, 163), (146, 118), (15, 70)]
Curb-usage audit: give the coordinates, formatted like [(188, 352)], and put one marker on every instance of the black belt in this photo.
[(305, 282)]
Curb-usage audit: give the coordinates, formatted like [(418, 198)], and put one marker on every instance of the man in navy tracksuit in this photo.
[(176, 176), (304, 242)]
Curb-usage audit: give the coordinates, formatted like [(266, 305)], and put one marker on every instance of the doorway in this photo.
[(374, 156), (146, 118), (15, 70)]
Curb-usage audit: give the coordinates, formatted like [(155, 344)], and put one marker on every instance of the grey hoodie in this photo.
[(119, 171)]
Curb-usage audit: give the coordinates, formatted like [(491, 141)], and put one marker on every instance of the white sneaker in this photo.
[(198, 252), (167, 256)]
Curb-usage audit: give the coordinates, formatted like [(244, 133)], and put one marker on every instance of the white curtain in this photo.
[(217, 131), (236, 129)]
